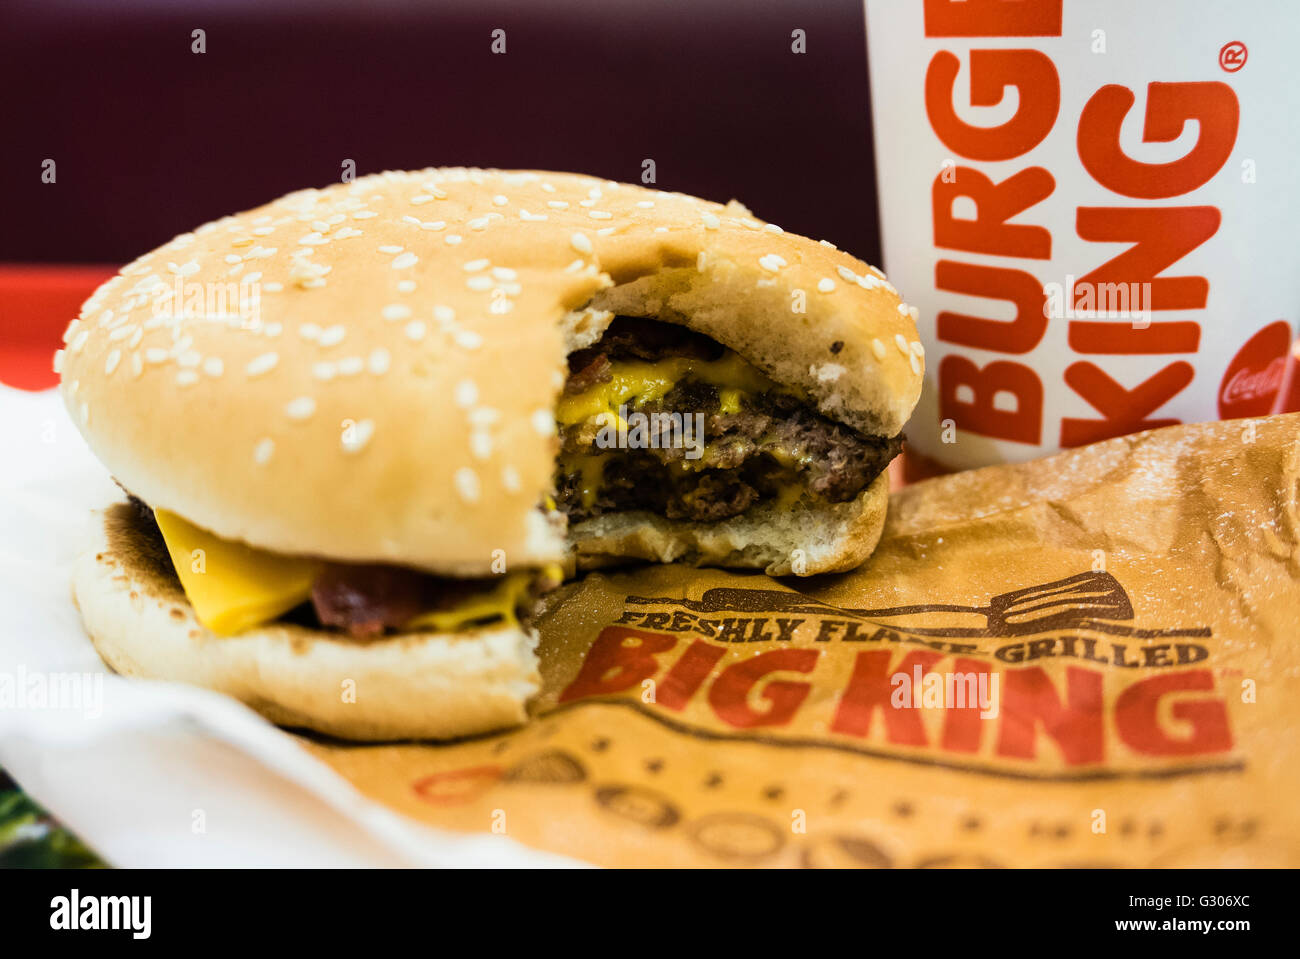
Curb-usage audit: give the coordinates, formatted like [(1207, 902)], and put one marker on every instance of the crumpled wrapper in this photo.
[(1087, 660)]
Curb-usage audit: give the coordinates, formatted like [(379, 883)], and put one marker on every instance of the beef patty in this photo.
[(772, 444)]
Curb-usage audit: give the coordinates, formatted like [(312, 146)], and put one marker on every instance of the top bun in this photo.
[(367, 372)]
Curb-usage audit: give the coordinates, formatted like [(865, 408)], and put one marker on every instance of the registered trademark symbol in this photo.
[(1232, 56)]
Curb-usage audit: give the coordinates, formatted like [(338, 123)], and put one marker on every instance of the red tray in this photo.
[(37, 302)]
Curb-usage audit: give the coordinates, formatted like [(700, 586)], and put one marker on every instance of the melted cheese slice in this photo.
[(645, 382), (232, 586), (500, 602)]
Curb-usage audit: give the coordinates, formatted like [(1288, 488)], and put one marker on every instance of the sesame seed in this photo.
[(544, 422), (300, 408), (444, 314), (396, 311), (480, 444), (122, 332), (581, 242), (262, 364), (532, 217), (452, 239), (504, 273), (433, 226), (379, 361), (155, 354), (772, 228), (558, 204), (406, 286), (479, 223), (645, 204), (79, 341), (421, 198), (364, 215), (772, 262), (71, 331), (405, 260), (415, 330), (901, 342), (233, 258), (332, 336), (186, 378), (189, 358), (600, 215), (479, 282), (916, 364), (467, 484), (213, 366), (828, 244), (263, 450), (500, 200), (468, 340), (510, 479), (351, 365), (272, 287), (661, 229), (391, 250), (356, 435), (466, 393), (902, 308), (137, 365), (825, 285), (309, 331), (324, 370), (847, 275), (313, 239), (473, 266), (114, 357), (574, 267), (878, 348), (58, 361)]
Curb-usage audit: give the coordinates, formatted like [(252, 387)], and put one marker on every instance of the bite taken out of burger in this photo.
[(362, 430)]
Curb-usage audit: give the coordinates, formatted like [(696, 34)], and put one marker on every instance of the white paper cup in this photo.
[(1093, 204)]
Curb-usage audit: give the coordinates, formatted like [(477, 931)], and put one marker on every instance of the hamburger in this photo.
[(363, 429)]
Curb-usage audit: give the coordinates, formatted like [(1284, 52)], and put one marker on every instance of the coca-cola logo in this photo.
[(1254, 377)]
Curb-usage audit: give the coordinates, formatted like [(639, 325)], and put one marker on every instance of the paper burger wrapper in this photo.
[(1086, 660)]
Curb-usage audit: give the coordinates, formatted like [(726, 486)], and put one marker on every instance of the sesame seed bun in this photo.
[(390, 396), (418, 685), (798, 540)]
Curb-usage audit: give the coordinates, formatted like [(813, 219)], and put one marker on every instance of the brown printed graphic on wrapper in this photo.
[(705, 717)]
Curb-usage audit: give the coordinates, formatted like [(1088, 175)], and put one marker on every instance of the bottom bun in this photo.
[(801, 539), (410, 686)]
